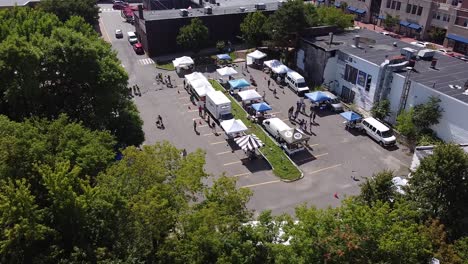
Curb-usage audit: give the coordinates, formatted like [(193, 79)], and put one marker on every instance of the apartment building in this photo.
[(366, 11), (457, 31)]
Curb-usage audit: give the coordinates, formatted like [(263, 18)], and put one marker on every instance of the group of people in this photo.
[(293, 114), (164, 79), (134, 90)]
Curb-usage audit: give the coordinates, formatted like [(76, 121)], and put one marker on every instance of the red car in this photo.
[(138, 48)]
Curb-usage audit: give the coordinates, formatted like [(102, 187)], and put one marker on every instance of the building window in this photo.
[(414, 9), (444, 18), (438, 16), (420, 10), (389, 2), (398, 5), (350, 74), (368, 83), (408, 8), (393, 4), (466, 23)]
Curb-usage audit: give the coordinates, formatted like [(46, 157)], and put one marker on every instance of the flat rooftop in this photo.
[(11, 3), (448, 72), (217, 10)]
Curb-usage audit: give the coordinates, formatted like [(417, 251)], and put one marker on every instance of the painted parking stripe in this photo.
[(241, 174), (259, 184), (191, 111), (324, 169), (203, 126), (224, 152), (146, 61), (208, 134), (320, 155), (216, 143), (231, 163)]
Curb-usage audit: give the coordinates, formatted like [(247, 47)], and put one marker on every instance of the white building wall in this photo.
[(453, 125)]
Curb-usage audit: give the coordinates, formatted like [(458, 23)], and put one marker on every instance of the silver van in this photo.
[(378, 131), (334, 102), (132, 38)]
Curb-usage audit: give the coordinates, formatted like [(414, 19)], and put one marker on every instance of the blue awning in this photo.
[(317, 96), (351, 116), (381, 17), (239, 84), (352, 9), (338, 4), (261, 107), (360, 11), (457, 38), (404, 23), (415, 26)]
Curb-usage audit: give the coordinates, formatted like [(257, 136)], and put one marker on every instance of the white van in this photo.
[(296, 82), (132, 38), (378, 131)]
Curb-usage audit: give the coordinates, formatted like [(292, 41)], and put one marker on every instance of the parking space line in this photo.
[(262, 183), (231, 163), (323, 169), (216, 143), (274, 113), (320, 155), (241, 174), (191, 111), (203, 126), (314, 145), (188, 104), (224, 152), (286, 119), (208, 134), (183, 98)]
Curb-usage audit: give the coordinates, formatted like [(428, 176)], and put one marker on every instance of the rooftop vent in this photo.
[(260, 6), (183, 12), (357, 38), (208, 10), (242, 9)]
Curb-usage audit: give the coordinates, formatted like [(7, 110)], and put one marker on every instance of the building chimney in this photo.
[(433, 63), (357, 38), (331, 39), (140, 11)]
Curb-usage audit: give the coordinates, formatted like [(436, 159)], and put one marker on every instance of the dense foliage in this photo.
[(65, 9), (193, 36), (252, 28), (48, 68), (381, 109)]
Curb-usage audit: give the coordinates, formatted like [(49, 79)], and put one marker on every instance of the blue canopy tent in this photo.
[(351, 116), (261, 107), (317, 97), (223, 57), (238, 84)]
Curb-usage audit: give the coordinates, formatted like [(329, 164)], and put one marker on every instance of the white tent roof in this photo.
[(257, 55), (249, 142), (199, 83), (272, 63), (194, 76), (203, 90), (280, 69), (233, 126), (249, 95), (218, 97), (226, 71), (182, 61)]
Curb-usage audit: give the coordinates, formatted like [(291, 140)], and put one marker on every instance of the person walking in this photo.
[(311, 108), (195, 126), (310, 126), (268, 82), (290, 112), (296, 114), (313, 117), (264, 96), (298, 104), (184, 85), (274, 93), (200, 109), (213, 125), (303, 108)]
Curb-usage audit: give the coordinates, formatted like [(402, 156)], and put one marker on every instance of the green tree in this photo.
[(253, 29), (193, 36), (381, 109), (49, 68), (437, 35), (220, 46), (332, 16), (391, 21), (379, 188), (427, 114), (439, 186), (405, 124), (64, 9)]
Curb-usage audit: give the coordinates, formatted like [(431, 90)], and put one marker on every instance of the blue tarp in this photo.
[(351, 116), (261, 107), (360, 11), (338, 4), (317, 96), (223, 57), (352, 9), (239, 83), (415, 26), (458, 38), (404, 23)]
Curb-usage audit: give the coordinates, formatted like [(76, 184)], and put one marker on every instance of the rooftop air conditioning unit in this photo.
[(208, 10), (213, 2), (260, 6), (242, 9), (183, 12)]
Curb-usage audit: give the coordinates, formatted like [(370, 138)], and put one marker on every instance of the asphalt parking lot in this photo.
[(336, 154)]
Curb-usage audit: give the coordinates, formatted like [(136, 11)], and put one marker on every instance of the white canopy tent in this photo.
[(256, 55), (183, 62), (249, 142), (199, 83), (249, 95), (233, 126), (272, 63), (203, 90), (194, 76), (226, 71), (281, 69)]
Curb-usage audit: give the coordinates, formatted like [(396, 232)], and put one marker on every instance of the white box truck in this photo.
[(291, 140), (218, 105)]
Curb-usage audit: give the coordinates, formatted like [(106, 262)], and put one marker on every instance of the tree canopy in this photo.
[(48, 68), (65, 9), (193, 36), (252, 28)]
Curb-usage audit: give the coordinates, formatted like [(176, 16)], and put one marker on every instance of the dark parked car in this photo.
[(138, 48), (119, 6)]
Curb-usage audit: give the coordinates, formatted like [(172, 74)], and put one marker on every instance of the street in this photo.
[(337, 154)]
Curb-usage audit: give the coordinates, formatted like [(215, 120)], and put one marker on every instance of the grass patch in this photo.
[(233, 56), (168, 66), (282, 166)]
